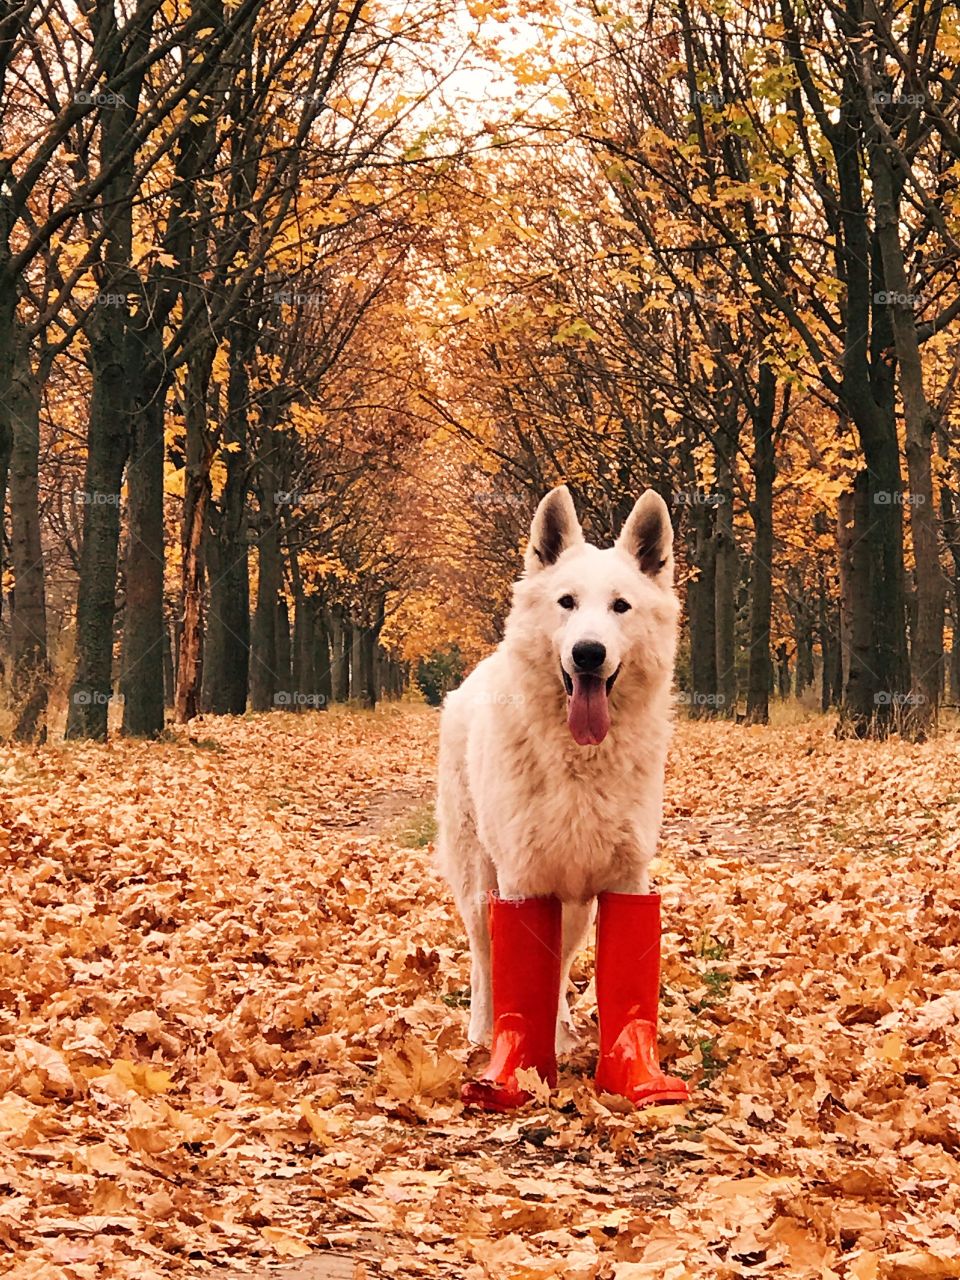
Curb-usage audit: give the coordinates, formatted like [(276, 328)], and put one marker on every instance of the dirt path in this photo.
[(232, 1014)]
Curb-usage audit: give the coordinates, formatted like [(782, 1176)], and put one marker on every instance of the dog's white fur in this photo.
[(521, 807)]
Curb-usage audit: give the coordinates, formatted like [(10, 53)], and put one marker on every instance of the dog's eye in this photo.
[(567, 602), (622, 606)]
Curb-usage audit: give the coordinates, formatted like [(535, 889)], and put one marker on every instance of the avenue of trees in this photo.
[(298, 320)]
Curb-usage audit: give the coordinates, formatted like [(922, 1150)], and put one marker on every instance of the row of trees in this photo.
[(291, 343), (207, 213), (728, 268)]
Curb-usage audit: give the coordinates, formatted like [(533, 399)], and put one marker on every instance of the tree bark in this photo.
[(951, 536), (111, 356), (919, 420), (845, 544), (783, 671), (8, 308), (862, 696), (196, 498), (369, 666), (727, 574), (169, 668), (284, 645), (803, 633), (356, 662), (322, 665), (28, 623), (108, 444), (340, 658), (701, 614), (263, 656), (227, 650), (759, 673), (304, 652), (144, 632)]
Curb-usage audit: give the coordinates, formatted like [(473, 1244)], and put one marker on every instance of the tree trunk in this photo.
[(196, 498), (304, 652), (227, 648), (356, 662), (879, 669), (804, 639), (783, 670), (919, 420), (827, 633), (322, 665), (108, 444), (169, 668), (340, 664), (263, 657), (369, 649), (369, 675), (8, 310), (845, 542), (862, 696), (284, 650), (144, 629), (28, 623), (701, 612), (829, 655), (112, 353), (759, 673), (726, 578)]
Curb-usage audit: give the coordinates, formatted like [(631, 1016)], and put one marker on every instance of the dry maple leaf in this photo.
[(412, 1071)]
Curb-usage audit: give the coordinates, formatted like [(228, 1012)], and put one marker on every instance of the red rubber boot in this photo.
[(628, 994), (525, 938)]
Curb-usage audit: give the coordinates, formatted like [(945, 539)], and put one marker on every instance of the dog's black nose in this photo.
[(589, 655)]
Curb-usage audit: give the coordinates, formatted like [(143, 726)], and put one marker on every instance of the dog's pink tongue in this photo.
[(588, 712)]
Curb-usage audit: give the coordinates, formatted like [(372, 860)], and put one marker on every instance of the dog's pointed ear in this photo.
[(555, 528), (648, 536)]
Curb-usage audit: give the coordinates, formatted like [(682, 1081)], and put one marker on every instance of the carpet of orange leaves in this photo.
[(232, 1022)]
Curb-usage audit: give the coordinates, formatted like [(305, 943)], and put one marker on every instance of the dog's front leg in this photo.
[(629, 870), (577, 917)]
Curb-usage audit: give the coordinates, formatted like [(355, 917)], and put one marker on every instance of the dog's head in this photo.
[(608, 616)]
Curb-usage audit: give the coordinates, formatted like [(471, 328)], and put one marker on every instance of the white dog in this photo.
[(552, 751)]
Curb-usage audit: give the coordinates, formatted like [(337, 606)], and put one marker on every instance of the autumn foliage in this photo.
[(302, 310), (235, 1023)]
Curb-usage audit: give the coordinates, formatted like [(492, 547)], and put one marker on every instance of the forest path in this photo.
[(233, 1028)]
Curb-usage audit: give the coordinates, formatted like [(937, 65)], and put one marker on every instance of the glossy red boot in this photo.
[(525, 939), (628, 995)]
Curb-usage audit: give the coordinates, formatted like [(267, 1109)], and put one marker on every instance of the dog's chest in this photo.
[(553, 826)]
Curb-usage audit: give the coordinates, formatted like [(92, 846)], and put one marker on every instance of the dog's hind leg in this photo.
[(474, 909), (577, 918), (468, 870)]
